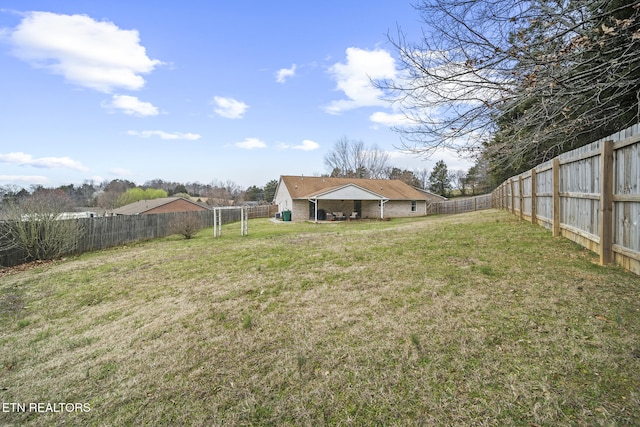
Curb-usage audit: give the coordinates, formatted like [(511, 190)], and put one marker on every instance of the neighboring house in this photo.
[(312, 198), (161, 205)]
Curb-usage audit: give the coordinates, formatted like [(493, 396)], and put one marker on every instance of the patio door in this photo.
[(357, 207)]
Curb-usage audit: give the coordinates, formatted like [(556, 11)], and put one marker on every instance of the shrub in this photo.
[(35, 227), (186, 224)]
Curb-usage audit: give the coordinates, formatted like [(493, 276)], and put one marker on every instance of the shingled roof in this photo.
[(143, 206), (305, 187)]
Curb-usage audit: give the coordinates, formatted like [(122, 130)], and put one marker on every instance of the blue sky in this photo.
[(194, 91)]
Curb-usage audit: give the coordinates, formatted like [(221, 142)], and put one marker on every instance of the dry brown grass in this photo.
[(473, 319)]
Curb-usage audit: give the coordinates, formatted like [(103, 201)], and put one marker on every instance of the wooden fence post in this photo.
[(243, 212), (556, 197), (513, 198), (503, 192), (503, 199), (605, 227), (521, 197), (534, 213)]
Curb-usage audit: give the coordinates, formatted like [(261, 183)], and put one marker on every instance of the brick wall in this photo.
[(402, 209)]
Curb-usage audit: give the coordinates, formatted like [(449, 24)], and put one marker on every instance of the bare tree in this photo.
[(523, 80), (10, 194), (458, 179), (583, 83), (350, 158), (451, 79), (423, 176), (223, 193), (111, 191)]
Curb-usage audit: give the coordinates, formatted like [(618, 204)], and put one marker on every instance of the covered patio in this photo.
[(348, 201)]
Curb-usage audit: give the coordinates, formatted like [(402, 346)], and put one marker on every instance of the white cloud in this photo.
[(354, 78), (88, 53), (131, 105), (23, 159), (164, 135), (27, 179), (229, 108), (284, 73), (390, 119), (250, 144), (306, 145)]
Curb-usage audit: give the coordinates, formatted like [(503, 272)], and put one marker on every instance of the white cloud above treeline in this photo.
[(23, 159), (88, 53), (229, 108)]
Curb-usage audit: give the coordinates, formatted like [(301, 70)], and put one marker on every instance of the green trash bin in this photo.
[(286, 215)]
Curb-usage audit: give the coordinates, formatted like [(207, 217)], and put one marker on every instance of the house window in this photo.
[(414, 206)]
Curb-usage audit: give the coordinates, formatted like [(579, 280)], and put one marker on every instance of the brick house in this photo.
[(161, 205), (313, 198)]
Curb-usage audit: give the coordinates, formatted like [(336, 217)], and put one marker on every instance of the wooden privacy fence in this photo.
[(104, 232), (262, 211), (590, 195), (461, 205)]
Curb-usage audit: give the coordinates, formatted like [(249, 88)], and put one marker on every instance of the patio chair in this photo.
[(354, 215)]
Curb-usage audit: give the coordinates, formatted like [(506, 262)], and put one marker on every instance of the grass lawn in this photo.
[(473, 319)]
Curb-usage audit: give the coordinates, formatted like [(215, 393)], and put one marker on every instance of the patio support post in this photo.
[(315, 202), (382, 202)]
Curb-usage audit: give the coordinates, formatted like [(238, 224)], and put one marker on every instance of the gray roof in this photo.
[(143, 206)]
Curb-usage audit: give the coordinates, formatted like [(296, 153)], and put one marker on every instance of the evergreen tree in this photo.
[(439, 180), (270, 190), (254, 194)]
